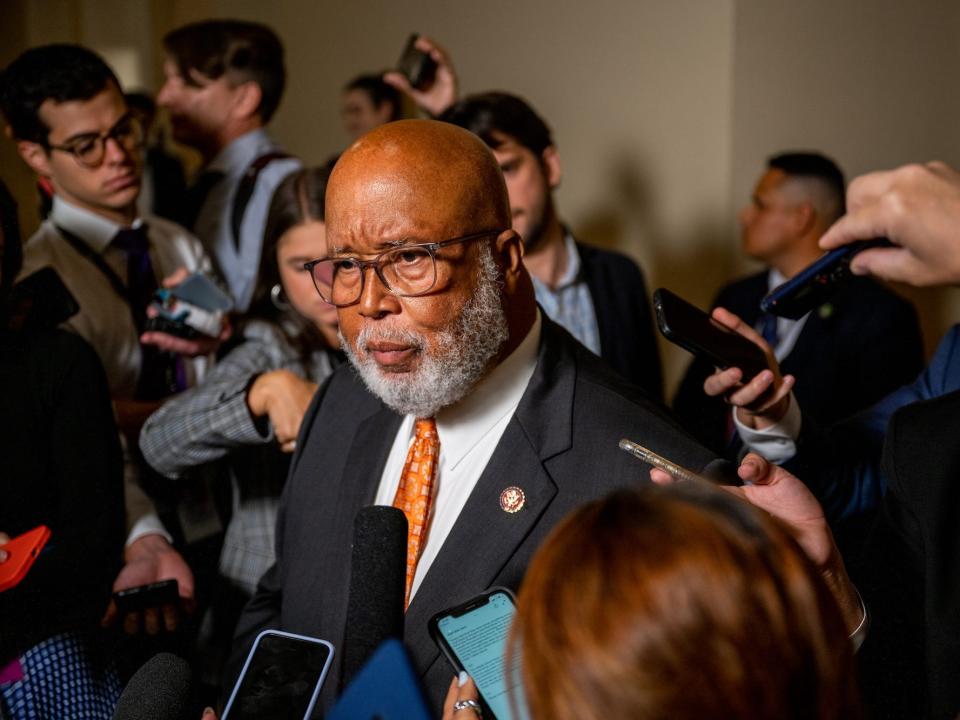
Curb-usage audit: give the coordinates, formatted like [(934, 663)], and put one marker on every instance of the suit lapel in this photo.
[(485, 537)]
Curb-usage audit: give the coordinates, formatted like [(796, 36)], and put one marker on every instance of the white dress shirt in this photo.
[(214, 224), (469, 433)]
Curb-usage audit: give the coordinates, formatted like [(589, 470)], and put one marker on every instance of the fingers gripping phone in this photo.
[(814, 285), (473, 637), (21, 553), (281, 678), (695, 331), (141, 597), (418, 67)]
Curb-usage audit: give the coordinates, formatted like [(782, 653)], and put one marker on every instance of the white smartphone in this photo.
[(281, 678)]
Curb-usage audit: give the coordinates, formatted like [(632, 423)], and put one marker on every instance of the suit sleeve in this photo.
[(264, 609), (842, 464), (209, 420)]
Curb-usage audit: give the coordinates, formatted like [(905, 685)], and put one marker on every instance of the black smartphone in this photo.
[(473, 637), (41, 300), (141, 597), (814, 285), (692, 329), (281, 678), (418, 67)]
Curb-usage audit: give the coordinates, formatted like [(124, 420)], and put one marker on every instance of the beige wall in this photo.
[(663, 111)]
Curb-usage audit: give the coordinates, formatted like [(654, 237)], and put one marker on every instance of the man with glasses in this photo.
[(65, 110), (465, 406)]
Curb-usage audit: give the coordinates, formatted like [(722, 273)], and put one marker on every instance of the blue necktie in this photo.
[(768, 329)]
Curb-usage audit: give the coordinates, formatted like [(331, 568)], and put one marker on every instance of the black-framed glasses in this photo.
[(405, 270), (90, 150)]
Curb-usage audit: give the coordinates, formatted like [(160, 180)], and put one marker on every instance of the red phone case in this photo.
[(22, 551)]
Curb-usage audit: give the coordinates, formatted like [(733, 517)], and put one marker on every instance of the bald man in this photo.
[(446, 343)]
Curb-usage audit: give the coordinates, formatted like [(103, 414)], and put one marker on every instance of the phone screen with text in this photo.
[(478, 638)]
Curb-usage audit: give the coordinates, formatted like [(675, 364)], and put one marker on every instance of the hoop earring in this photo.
[(276, 297)]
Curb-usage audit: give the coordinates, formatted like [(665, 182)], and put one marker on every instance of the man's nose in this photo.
[(165, 96), (375, 299), (114, 152)]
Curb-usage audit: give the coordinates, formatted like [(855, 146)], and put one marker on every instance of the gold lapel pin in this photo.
[(512, 499)]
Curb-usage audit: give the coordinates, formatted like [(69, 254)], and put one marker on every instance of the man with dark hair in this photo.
[(224, 81), (367, 101), (599, 296), (73, 128), (846, 354)]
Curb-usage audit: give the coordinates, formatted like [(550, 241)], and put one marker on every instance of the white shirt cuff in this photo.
[(777, 443), (148, 524), (860, 634)]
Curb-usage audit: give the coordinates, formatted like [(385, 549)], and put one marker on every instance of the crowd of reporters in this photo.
[(666, 600)]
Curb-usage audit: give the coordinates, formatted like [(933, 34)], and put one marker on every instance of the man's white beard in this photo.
[(462, 356)]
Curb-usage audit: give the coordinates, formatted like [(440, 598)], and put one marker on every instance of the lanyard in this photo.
[(98, 261)]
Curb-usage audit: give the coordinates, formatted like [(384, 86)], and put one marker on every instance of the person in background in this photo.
[(366, 102), (911, 562), (732, 609), (599, 296), (62, 467), (240, 424), (224, 82), (846, 354), (72, 127), (164, 184)]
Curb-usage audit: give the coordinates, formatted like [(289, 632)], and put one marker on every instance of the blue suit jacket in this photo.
[(842, 466)]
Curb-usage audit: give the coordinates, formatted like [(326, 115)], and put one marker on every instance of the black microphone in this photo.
[(160, 690), (378, 575)]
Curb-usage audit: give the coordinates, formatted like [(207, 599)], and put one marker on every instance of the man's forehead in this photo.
[(78, 117)]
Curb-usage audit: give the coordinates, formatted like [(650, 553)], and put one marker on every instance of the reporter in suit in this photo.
[(846, 354), (446, 342)]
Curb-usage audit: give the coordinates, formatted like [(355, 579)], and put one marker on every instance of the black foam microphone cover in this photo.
[(160, 690), (378, 574)]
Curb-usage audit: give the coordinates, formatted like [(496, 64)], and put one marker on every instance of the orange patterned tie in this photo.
[(415, 493)]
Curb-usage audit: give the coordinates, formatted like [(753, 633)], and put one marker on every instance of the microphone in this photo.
[(160, 690), (378, 575)]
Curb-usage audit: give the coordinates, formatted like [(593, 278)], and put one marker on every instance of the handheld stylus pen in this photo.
[(650, 457)]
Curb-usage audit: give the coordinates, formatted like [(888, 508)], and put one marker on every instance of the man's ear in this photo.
[(805, 218), (550, 158), (34, 155), (508, 251), (246, 101)]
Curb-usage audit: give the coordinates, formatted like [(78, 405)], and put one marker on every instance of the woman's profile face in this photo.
[(300, 244)]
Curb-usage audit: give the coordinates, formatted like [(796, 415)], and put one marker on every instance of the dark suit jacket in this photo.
[(560, 447), (862, 344), (624, 320), (914, 587)]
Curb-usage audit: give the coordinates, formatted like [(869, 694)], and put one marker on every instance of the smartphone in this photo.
[(473, 637), (141, 597), (418, 67), (814, 285), (193, 308), (695, 331), (281, 678), (21, 553), (41, 300)]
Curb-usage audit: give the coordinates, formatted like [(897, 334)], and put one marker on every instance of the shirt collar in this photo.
[(463, 425), (572, 272), (236, 157), (96, 231), (775, 278)]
